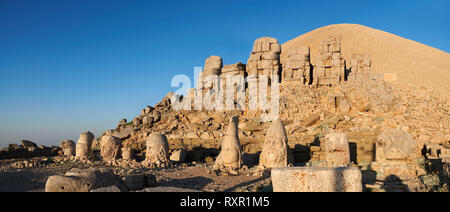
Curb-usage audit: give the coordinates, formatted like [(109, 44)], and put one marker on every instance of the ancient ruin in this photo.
[(340, 127)]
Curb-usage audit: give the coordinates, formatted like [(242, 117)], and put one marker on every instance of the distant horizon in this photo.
[(74, 66)]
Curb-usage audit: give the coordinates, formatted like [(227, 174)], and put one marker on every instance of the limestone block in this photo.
[(270, 56), (264, 64), (255, 57), (275, 47), (213, 62), (234, 67), (265, 47), (146, 120), (148, 109), (298, 57), (295, 65), (178, 156), (337, 149), (257, 47), (82, 181), (316, 179), (395, 145)]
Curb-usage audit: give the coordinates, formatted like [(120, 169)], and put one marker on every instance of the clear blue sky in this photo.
[(67, 66)]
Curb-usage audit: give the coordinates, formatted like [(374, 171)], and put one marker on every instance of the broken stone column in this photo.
[(337, 150), (316, 179), (297, 66), (330, 68), (395, 155), (264, 58), (275, 149), (110, 147), (229, 160), (84, 144), (68, 147), (157, 151)]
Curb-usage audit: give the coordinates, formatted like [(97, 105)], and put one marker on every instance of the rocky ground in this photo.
[(30, 175), (34, 172)]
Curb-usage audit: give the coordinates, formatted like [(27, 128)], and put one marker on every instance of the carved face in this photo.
[(156, 150), (230, 153), (274, 150)]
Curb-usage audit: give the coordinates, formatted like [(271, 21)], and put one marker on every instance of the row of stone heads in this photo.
[(391, 145), (111, 147)]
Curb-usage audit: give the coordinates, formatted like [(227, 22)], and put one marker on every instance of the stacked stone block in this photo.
[(265, 58), (359, 67), (330, 69), (297, 66)]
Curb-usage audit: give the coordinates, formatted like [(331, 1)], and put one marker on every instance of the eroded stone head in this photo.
[(275, 149), (230, 157), (84, 144), (157, 151), (110, 147)]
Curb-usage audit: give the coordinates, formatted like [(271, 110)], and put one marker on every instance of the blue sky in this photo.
[(76, 65)]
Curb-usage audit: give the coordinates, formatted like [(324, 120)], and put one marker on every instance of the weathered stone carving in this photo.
[(110, 147), (213, 67), (82, 181), (68, 147), (330, 69), (297, 66), (275, 149), (337, 150), (157, 151), (395, 153), (84, 144), (316, 179), (229, 160), (265, 58), (395, 145), (359, 67)]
